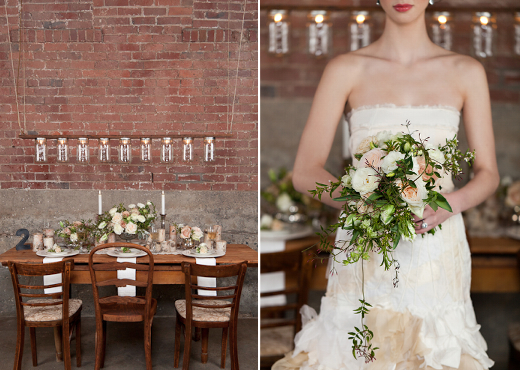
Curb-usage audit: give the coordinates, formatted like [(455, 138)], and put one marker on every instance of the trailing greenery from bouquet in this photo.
[(134, 220), (76, 232), (395, 178)]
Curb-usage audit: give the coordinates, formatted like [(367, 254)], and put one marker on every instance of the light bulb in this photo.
[(442, 19), (484, 20), (360, 18), (278, 17), (319, 18)]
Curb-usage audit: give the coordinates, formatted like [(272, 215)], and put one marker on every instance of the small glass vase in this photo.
[(187, 244)]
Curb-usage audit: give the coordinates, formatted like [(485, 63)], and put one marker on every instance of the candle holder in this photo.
[(166, 150), (359, 30), (63, 150), (484, 32), (146, 149), (278, 32), (517, 33), (320, 33), (41, 149), (83, 150), (125, 150), (187, 150), (209, 149), (104, 150), (163, 222), (442, 30)]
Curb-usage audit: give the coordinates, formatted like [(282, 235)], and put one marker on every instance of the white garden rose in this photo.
[(130, 206), (197, 233), (389, 163), (117, 218), (435, 153), (365, 180), (118, 229), (346, 180), (102, 225), (140, 205), (383, 136), (203, 248), (134, 216), (284, 202), (396, 136), (266, 221), (112, 211), (414, 197), (364, 146), (131, 228), (74, 237), (141, 218)]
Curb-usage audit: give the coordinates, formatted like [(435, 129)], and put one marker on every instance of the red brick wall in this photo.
[(297, 74), (129, 67)]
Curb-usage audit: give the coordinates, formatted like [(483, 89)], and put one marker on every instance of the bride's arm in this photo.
[(479, 131), (317, 137)]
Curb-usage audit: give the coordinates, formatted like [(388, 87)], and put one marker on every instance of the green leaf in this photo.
[(433, 205), (443, 203)]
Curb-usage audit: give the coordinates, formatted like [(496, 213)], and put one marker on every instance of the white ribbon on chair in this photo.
[(206, 281), (272, 281), (129, 290), (52, 279)]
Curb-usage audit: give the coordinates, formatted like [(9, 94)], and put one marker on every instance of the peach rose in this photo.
[(372, 158), (125, 214), (414, 196), (77, 223), (66, 231), (513, 194), (364, 145), (421, 161), (123, 224), (186, 232)]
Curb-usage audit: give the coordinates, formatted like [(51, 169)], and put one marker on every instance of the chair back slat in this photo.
[(42, 304), (42, 295), (294, 290), (96, 264), (122, 282), (31, 269), (287, 261), (23, 286), (233, 270), (275, 324)]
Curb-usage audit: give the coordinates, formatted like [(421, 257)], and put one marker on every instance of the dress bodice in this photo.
[(434, 123)]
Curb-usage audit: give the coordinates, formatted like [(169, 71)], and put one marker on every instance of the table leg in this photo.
[(58, 342)]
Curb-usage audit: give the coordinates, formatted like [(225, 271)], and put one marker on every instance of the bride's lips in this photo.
[(403, 7)]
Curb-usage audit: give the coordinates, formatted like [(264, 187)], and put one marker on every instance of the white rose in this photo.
[(74, 237), (197, 233), (140, 205), (117, 218), (364, 146), (266, 221), (284, 202), (131, 228), (383, 136), (203, 248), (118, 229), (57, 248), (396, 136), (365, 180), (389, 163), (134, 216), (149, 203), (141, 218), (112, 211), (414, 196), (435, 153), (130, 206), (102, 225)]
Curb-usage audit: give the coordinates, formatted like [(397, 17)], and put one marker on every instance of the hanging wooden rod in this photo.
[(97, 137)]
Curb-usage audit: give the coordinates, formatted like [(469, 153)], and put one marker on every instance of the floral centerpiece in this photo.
[(128, 223), (76, 233), (192, 233), (395, 178)]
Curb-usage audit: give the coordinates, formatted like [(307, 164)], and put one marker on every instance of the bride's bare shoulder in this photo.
[(463, 66)]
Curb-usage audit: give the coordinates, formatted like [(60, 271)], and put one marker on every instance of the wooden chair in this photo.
[(121, 309), (279, 324), (205, 312), (46, 309)]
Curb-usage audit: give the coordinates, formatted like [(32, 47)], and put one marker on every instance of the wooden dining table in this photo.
[(167, 269)]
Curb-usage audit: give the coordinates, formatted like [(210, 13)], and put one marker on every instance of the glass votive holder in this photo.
[(146, 149), (125, 150), (209, 149), (63, 150), (83, 150), (166, 150), (41, 149), (187, 149), (104, 150)]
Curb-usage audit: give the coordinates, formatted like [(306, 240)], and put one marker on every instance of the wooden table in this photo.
[(167, 267)]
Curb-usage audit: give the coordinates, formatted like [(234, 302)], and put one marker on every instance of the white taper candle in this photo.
[(163, 204), (100, 203)]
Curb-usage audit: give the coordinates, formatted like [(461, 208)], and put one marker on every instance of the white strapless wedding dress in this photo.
[(428, 321)]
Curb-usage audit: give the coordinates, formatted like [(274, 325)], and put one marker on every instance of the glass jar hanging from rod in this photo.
[(146, 149), (187, 149), (209, 148), (83, 150), (41, 149), (104, 150), (63, 150), (166, 150), (125, 150)]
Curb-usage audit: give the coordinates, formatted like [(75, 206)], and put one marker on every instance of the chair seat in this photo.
[(276, 341), (131, 312), (205, 314), (49, 313)]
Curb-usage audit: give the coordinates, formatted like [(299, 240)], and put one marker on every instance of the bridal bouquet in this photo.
[(395, 178), (134, 220)]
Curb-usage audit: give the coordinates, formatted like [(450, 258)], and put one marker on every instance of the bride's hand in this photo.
[(434, 218)]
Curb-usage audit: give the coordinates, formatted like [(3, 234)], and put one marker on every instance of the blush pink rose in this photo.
[(123, 224), (372, 158), (66, 231), (125, 214), (513, 194), (77, 223), (421, 161), (186, 232)]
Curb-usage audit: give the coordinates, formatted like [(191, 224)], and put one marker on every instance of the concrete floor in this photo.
[(125, 346)]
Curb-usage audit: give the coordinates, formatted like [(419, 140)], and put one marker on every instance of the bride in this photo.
[(428, 321)]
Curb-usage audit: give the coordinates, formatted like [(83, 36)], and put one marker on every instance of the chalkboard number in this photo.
[(21, 244)]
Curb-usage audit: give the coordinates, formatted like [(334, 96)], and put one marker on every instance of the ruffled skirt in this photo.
[(427, 321)]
